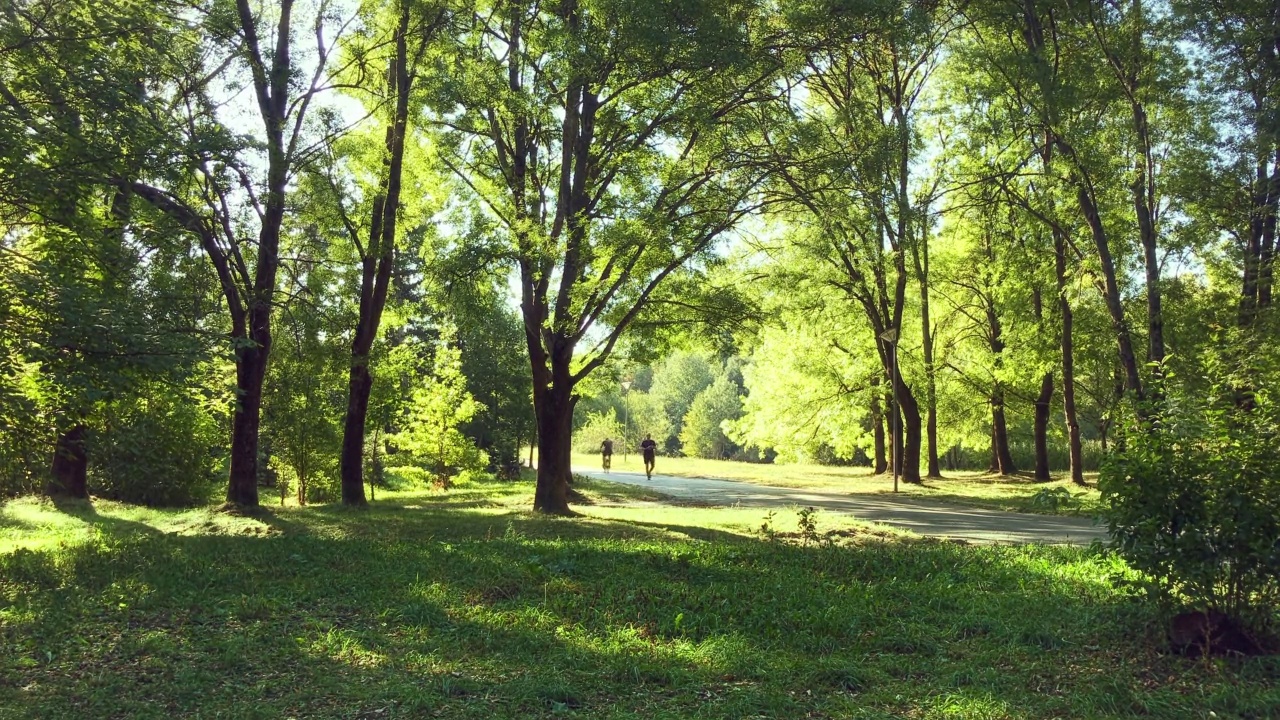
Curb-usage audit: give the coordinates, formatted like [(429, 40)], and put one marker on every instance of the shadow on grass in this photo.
[(83, 509), (404, 612)]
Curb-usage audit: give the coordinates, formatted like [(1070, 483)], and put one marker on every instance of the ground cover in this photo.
[(464, 605)]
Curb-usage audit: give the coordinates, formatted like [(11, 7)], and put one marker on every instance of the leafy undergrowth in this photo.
[(463, 605), (1018, 493)]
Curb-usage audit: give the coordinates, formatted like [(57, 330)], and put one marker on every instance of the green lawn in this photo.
[(1020, 494), (464, 605)]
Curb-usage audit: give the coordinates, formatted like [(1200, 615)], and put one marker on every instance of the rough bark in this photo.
[(1259, 251), (1000, 435), (1043, 411), (351, 465), (931, 386), (1151, 264), (554, 410), (1111, 290), (906, 448), (1074, 448), (376, 266), (69, 470), (1002, 459), (251, 368), (879, 463), (909, 468), (1067, 339)]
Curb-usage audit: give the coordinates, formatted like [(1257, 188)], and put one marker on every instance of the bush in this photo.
[(430, 433), (594, 431), (702, 433), (160, 451), (1194, 500)]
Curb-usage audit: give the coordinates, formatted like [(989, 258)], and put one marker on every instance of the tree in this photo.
[(160, 136), (848, 165), (414, 29), (605, 138), (676, 382), (703, 432), (430, 429), (1240, 42)]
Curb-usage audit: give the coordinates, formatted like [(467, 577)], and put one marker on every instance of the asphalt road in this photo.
[(921, 516)]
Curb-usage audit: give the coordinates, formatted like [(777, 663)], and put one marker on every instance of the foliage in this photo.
[(303, 405), (805, 393), (1194, 498), (677, 380), (703, 430), (429, 430), (160, 450), (597, 428), (495, 365), (626, 417)]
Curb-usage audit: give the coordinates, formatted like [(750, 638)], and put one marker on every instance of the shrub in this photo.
[(594, 431), (703, 431), (430, 427), (1194, 502), (160, 450)]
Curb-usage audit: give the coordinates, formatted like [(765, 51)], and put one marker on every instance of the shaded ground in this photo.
[(465, 605), (917, 515)]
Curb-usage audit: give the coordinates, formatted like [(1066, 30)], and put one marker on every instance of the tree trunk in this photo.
[(993, 465), (376, 271), (879, 464), (1074, 450), (376, 464), (930, 373), (1042, 427), (1001, 459), (251, 368), (554, 409), (1266, 251), (1111, 291), (910, 436), (1145, 200), (1260, 246), (1151, 263), (359, 386), (1000, 435), (69, 469)]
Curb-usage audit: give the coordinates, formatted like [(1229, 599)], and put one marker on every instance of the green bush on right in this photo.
[(1194, 501)]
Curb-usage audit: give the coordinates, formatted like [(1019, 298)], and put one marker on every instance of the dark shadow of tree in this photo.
[(438, 611)]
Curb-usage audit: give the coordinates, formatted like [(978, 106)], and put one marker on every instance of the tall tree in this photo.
[(848, 165), (200, 199), (67, 71), (1240, 42), (413, 28), (606, 139)]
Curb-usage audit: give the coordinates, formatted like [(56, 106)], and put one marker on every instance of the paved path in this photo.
[(918, 515)]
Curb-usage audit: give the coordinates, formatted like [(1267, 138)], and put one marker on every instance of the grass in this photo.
[(464, 605), (976, 489)]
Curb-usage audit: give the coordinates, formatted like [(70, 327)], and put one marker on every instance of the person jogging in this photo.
[(647, 448), (606, 453)]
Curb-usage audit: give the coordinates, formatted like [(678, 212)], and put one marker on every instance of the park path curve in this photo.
[(921, 516)]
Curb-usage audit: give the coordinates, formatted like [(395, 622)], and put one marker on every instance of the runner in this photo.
[(606, 453), (647, 448)]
